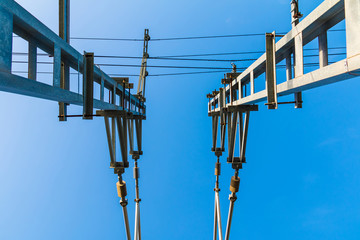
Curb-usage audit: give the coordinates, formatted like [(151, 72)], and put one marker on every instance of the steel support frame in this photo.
[(238, 118), (16, 19), (124, 126), (315, 25)]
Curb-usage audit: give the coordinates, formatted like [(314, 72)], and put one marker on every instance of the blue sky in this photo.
[(301, 179)]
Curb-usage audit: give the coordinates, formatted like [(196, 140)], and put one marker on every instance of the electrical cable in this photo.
[(171, 74), (134, 65), (183, 38), (184, 59)]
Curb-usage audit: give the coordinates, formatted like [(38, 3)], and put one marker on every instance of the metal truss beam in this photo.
[(15, 19), (315, 25)]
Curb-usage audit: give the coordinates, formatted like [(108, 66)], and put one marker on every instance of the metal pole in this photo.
[(64, 33), (136, 236), (139, 223), (215, 220), (126, 220), (137, 233), (232, 198), (298, 53), (218, 214)]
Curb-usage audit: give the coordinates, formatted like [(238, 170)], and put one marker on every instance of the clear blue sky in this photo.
[(302, 176)]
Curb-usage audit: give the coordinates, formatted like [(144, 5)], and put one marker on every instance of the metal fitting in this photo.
[(121, 189), (232, 197), (234, 184), (123, 203)]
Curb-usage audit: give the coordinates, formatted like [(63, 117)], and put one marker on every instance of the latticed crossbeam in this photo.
[(315, 25), (16, 20)]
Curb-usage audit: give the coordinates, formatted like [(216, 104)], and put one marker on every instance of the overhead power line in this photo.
[(107, 39), (179, 38), (135, 65), (172, 74), (118, 74), (180, 57), (183, 38), (236, 53)]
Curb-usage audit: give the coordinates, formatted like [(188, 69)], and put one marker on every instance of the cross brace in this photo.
[(125, 122)]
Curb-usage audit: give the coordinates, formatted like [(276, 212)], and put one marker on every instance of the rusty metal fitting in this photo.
[(234, 184), (217, 169), (121, 189), (136, 173)]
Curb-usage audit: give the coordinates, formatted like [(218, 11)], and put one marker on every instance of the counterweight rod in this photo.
[(137, 229)]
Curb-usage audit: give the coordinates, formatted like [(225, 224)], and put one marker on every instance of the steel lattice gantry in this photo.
[(315, 25), (126, 114), (15, 19), (233, 96), (230, 106)]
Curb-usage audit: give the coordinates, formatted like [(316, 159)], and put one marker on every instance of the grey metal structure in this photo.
[(15, 19), (315, 25), (232, 104), (126, 115)]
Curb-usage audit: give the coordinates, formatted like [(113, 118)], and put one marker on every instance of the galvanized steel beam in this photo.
[(315, 25)]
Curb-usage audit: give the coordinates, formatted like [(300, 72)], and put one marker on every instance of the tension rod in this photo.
[(234, 188), (217, 215), (137, 230), (121, 189)]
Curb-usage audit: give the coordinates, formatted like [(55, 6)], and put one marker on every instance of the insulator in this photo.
[(136, 173), (121, 189), (234, 184), (217, 169)]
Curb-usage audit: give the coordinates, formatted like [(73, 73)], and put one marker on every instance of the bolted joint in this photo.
[(121, 189), (226, 81), (217, 189), (232, 197), (218, 152), (234, 184), (119, 171), (138, 200), (123, 203)]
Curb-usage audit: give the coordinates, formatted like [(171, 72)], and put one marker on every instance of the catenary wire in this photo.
[(183, 38), (174, 74), (179, 58)]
